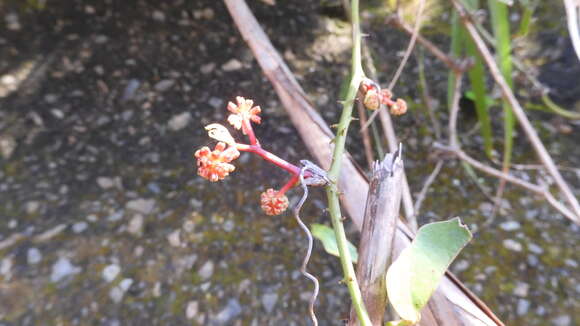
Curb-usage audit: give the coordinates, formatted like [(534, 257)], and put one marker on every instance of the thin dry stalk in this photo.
[(518, 111), (450, 62), (423, 194)]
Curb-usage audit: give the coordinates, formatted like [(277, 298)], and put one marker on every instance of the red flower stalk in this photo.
[(214, 165)]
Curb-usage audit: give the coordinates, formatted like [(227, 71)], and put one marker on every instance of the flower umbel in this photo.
[(215, 165), (273, 202), (244, 110)]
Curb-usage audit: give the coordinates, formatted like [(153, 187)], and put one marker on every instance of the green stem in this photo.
[(501, 31), (334, 172)]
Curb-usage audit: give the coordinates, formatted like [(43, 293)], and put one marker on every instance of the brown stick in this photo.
[(378, 232), (530, 132), (451, 63), (362, 115)]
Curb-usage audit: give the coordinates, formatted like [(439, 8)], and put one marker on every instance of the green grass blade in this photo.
[(501, 30), (477, 79)]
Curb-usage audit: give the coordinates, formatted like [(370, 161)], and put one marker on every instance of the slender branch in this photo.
[(334, 172), (451, 63), (531, 133), (423, 194)]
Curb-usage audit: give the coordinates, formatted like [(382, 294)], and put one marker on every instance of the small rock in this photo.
[(7, 146), (216, 102), (206, 13), (179, 121), (31, 207), (101, 39), (191, 309), (523, 307), (174, 240), (136, 225), (130, 90), (118, 292), (143, 206), (229, 226), (521, 289), (33, 256), (207, 68), (62, 269), (105, 182), (57, 113), (206, 271), (196, 203), (563, 320), (229, 312), (232, 65), (510, 226), (6, 266), (50, 98), (111, 272), (80, 227), (115, 216), (164, 85), (534, 248), (12, 22), (269, 301), (512, 245), (460, 266), (158, 16)]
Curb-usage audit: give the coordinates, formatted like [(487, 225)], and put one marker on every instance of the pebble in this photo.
[(196, 203), (206, 13), (206, 271), (6, 267), (164, 85), (534, 248), (191, 309), (216, 102), (229, 226), (118, 292), (143, 206), (179, 121), (115, 216), (105, 182), (563, 320), (207, 68), (522, 307), (31, 207), (460, 266), (174, 240), (269, 301), (229, 312), (33, 256), (63, 268), (111, 272), (158, 15), (232, 65), (7, 146), (135, 226), (12, 22), (80, 227), (510, 226), (512, 245), (521, 289)]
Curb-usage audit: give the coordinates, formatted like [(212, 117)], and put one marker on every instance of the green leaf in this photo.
[(326, 235), (416, 273)]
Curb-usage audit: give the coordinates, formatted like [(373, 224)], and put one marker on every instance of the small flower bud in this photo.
[(273, 203), (399, 108), (372, 100)]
